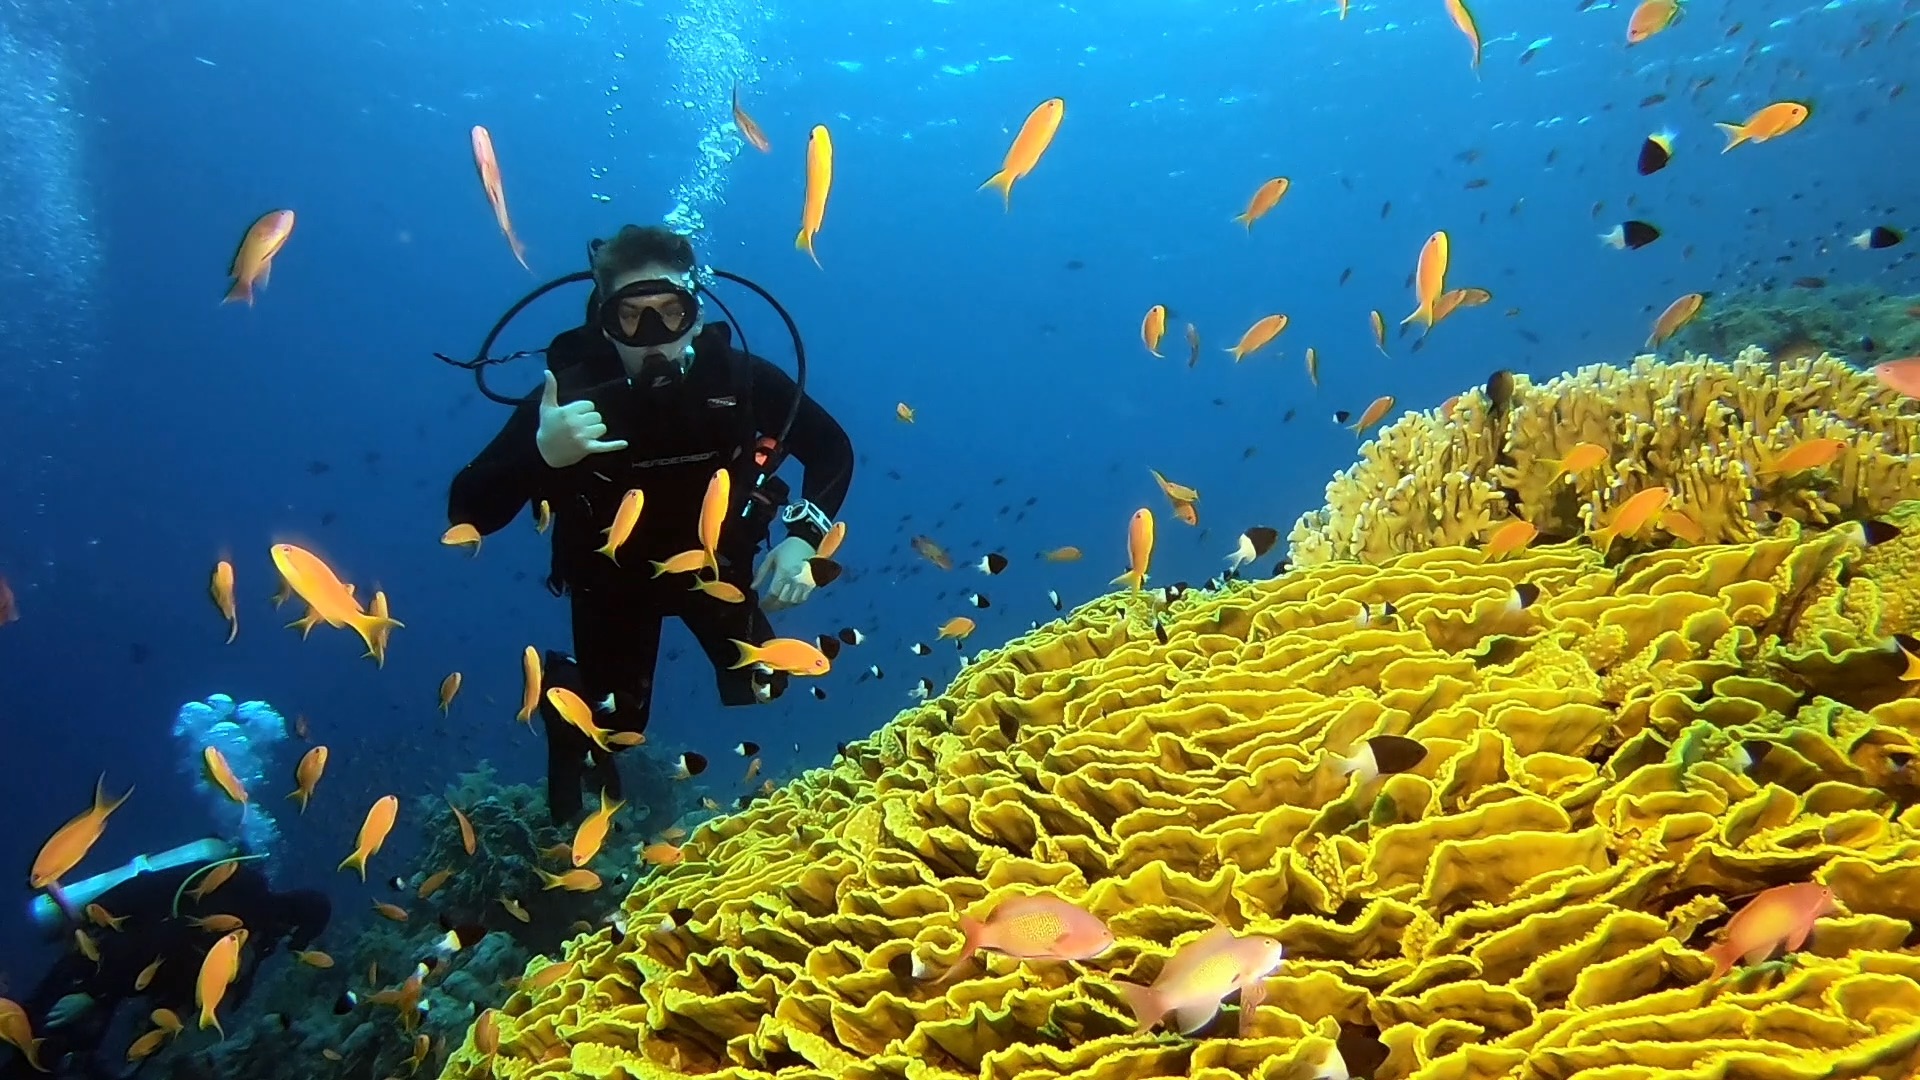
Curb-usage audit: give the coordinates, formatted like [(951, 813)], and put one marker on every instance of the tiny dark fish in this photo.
[(1076, 264), (1385, 209), (318, 468), (1651, 100), (1345, 275), (1500, 394), (1477, 183), (1809, 283)]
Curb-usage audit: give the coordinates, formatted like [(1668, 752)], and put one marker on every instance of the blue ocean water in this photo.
[(149, 430)]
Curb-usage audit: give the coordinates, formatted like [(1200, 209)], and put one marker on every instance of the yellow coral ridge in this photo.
[(1610, 770), (1698, 427)]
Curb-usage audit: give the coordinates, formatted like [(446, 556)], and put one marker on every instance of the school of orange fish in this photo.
[(1200, 975)]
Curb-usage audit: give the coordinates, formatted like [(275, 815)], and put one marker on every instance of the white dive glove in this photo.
[(780, 572), (570, 432)]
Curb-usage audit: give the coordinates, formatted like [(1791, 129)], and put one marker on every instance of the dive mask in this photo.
[(647, 314)]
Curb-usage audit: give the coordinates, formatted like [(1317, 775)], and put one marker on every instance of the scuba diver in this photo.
[(649, 395), (73, 1007)]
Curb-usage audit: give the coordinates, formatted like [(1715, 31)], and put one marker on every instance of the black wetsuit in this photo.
[(679, 429), (152, 932)]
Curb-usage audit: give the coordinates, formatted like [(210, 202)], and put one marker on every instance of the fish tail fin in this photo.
[(1423, 314), (370, 628), (1148, 1008), (748, 653), (975, 933), (804, 242), (300, 794), (1002, 182), (233, 630), (1735, 133), (104, 805), (1722, 956), (519, 253), (1244, 219), (1130, 579), (659, 568), (1602, 540), (357, 861), (242, 290)]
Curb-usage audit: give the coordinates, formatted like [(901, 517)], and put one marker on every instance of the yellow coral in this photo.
[(1609, 772), (1697, 427)]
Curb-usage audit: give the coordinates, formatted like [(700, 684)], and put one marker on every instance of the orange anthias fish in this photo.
[(1462, 18), (221, 775), (1258, 336), (332, 600), (221, 589), (71, 842), (959, 628), (1379, 324), (1177, 493), (791, 655), (713, 514), (1265, 198), (1139, 550), (1514, 536), (749, 130), (467, 838), (486, 1033), (819, 182), (572, 880), (531, 677), (830, 543), (1198, 977), (576, 713), (1376, 412), (307, 774), (1805, 454), (1034, 138), (433, 884), (1454, 299), (1153, 328), (1678, 314), (1430, 279), (373, 833), (903, 412), (217, 972), (663, 854), (1769, 123), (449, 689), (462, 535), (624, 519), (1780, 918), (384, 624), (1193, 345), (1068, 553), (216, 877), (1902, 376), (1037, 928), (253, 263), (592, 833), (1632, 516), (1651, 17), (488, 165), (1582, 457), (17, 1029)]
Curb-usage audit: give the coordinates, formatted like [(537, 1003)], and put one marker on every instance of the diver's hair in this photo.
[(635, 246)]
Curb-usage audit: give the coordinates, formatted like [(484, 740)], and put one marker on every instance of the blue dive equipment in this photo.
[(46, 913)]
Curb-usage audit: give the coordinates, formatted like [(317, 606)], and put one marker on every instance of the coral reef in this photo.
[(1858, 321), (1608, 771), (1698, 427)]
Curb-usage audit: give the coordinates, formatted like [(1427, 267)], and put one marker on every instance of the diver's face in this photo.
[(631, 308)]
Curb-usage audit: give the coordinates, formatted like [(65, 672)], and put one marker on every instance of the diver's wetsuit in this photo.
[(152, 932), (679, 429)]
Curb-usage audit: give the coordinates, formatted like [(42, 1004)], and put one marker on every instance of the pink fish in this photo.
[(489, 166), (1901, 375), (1200, 976), (1037, 928), (1781, 917)]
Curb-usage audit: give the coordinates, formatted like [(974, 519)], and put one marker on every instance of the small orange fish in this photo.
[(486, 1033), (221, 589), (462, 536), (390, 912), (1769, 123), (1200, 975), (576, 713), (1429, 280), (1901, 376), (146, 1045), (330, 598), (830, 543), (542, 517), (488, 165), (1258, 336), (958, 628), (70, 843), (1313, 367), (662, 854), (1376, 412), (903, 412), (383, 626), (1186, 512), (713, 514), (1678, 314), (813, 213), (216, 877), (1650, 18), (17, 1029), (1175, 492), (433, 884), (1779, 918), (791, 655), (101, 917), (1803, 455), (530, 683), (514, 909), (1036, 134), (467, 838), (1462, 18), (580, 880), (217, 924), (625, 517), (90, 948), (1631, 517), (1454, 299), (725, 592), (253, 263), (1582, 457), (1037, 928), (307, 774), (220, 774), (1154, 327), (1193, 345), (217, 972), (1265, 197), (1512, 537), (1068, 553), (1139, 549), (548, 975), (373, 834), (1379, 324), (592, 833), (749, 130), (1682, 526), (313, 958), (449, 689)]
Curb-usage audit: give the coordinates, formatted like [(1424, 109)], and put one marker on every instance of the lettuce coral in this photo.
[(1609, 771), (1698, 427)]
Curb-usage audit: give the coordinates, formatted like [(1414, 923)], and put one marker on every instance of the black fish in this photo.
[(1655, 153), (1632, 235), (1500, 394), (1878, 238)]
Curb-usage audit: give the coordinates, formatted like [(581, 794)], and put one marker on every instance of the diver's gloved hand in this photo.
[(570, 432), (68, 1009), (780, 572)]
